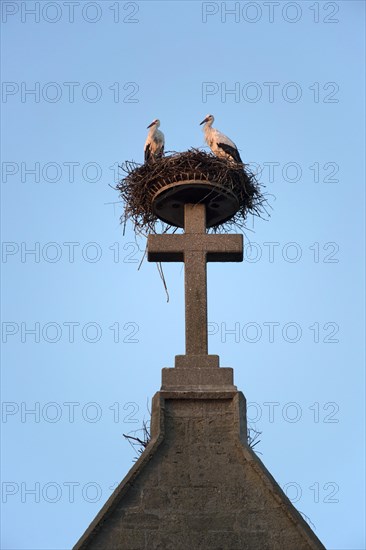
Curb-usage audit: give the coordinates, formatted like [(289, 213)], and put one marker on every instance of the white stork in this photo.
[(219, 144), (154, 144)]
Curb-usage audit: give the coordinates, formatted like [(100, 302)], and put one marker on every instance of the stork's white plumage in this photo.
[(219, 144), (154, 144)]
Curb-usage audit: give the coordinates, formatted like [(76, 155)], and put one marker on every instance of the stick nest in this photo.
[(142, 182)]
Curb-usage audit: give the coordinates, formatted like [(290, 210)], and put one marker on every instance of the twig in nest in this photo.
[(137, 442), (161, 273), (253, 440)]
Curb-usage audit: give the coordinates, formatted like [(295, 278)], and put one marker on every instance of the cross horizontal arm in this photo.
[(218, 248)]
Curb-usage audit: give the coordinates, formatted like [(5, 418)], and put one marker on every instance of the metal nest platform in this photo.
[(221, 203), (158, 191)]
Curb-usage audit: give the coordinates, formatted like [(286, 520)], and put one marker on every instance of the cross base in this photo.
[(197, 372), (198, 379), (202, 361)]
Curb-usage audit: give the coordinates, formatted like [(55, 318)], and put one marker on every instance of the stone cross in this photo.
[(195, 248)]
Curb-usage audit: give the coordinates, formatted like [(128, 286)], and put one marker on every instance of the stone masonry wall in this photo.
[(199, 487)]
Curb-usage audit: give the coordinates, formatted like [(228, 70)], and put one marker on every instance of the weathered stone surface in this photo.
[(198, 378), (198, 486), (192, 361)]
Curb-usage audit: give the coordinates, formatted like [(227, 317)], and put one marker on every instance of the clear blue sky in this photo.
[(102, 71)]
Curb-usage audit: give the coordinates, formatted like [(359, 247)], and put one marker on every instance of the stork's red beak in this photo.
[(203, 121), (152, 124)]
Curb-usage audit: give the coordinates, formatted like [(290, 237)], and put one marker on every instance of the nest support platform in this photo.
[(168, 203)]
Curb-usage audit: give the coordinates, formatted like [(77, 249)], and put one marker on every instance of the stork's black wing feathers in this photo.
[(160, 154), (232, 151), (147, 153)]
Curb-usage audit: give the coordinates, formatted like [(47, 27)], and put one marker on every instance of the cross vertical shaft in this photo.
[(195, 276)]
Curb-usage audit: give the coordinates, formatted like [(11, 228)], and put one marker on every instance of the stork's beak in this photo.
[(152, 124), (203, 121)]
